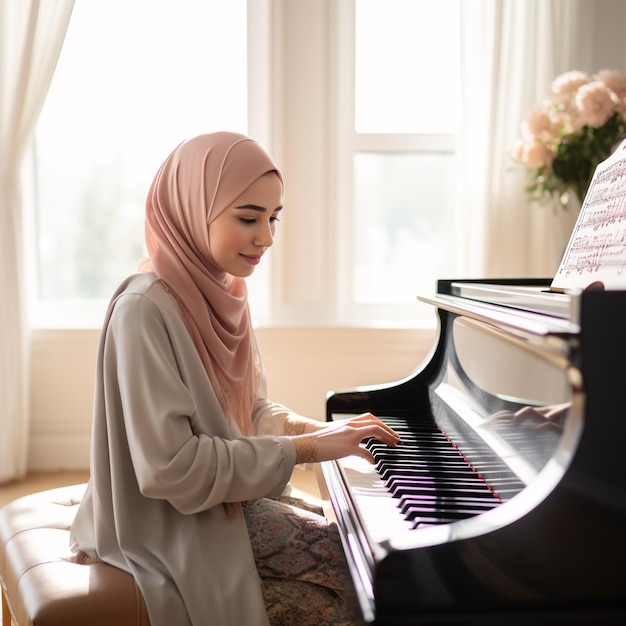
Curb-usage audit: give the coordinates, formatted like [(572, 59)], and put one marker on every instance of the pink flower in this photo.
[(537, 122), (614, 80), (596, 103), (552, 133), (569, 82), (533, 154), (560, 118), (575, 121)]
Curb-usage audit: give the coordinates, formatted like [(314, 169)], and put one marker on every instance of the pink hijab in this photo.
[(199, 180)]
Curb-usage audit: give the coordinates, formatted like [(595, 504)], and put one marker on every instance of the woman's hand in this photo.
[(342, 439), (550, 416)]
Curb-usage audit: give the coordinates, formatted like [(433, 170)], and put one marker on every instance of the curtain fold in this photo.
[(31, 37), (511, 52)]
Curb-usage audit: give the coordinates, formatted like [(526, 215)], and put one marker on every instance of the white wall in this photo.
[(302, 365)]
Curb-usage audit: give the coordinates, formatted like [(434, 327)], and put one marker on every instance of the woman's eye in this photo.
[(247, 220), (274, 218)]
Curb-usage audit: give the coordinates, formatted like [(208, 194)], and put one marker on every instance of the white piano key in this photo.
[(376, 507)]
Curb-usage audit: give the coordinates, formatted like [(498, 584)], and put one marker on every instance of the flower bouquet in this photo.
[(565, 137)]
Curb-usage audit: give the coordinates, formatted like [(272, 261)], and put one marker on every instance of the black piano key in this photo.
[(456, 503), (433, 482), (438, 461), (426, 455), (439, 491), (432, 478), (434, 512), (409, 474), (442, 463), (420, 522), (412, 510), (399, 482), (492, 490), (413, 507), (449, 494), (448, 491)]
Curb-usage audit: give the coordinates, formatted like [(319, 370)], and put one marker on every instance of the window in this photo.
[(401, 154), (357, 100), (133, 80)]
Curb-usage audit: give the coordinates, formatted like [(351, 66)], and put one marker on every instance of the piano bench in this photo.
[(44, 583)]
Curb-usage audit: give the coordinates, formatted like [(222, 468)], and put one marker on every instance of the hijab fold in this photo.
[(195, 184)]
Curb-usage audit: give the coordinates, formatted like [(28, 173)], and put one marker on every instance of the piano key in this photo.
[(425, 480), (436, 513), (476, 495), (459, 503), (376, 507)]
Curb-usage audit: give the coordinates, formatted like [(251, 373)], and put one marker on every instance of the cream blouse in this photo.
[(163, 460)]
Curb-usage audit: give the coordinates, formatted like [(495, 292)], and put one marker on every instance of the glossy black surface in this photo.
[(546, 543)]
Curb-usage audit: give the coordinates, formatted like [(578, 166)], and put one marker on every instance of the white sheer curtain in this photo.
[(31, 36), (511, 52)]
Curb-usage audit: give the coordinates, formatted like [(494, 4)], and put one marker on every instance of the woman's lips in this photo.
[(252, 259)]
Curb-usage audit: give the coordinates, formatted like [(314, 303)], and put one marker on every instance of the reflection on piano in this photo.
[(487, 513)]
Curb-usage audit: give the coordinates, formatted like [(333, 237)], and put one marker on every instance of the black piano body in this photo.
[(554, 550)]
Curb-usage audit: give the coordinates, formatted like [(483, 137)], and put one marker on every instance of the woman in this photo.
[(188, 456)]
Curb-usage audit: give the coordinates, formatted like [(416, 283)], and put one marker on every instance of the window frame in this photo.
[(348, 142), (299, 53)]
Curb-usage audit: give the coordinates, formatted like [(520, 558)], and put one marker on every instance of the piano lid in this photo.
[(534, 298), (525, 322)]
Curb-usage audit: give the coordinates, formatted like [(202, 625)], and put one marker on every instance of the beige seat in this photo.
[(44, 583)]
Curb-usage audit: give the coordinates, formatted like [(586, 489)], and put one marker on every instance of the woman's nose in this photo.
[(265, 236)]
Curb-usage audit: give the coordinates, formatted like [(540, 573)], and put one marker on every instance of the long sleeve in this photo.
[(181, 446), (162, 456)]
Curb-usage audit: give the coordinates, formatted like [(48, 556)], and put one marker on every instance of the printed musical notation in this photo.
[(597, 247)]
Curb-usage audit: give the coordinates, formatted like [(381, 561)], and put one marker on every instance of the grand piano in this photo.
[(505, 503)]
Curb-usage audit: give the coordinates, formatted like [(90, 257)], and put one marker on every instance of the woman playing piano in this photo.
[(190, 462)]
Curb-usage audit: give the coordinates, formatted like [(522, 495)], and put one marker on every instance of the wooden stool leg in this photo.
[(6, 613)]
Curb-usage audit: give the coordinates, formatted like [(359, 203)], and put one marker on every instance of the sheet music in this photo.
[(597, 248)]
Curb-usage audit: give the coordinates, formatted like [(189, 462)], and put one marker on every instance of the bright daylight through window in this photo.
[(134, 79), (407, 73), (127, 89)]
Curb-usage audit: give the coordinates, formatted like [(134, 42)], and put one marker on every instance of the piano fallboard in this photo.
[(506, 500)]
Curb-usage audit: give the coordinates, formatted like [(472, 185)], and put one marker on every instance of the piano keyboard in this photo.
[(426, 480)]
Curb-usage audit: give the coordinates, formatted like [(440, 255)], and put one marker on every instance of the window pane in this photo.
[(407, 66), (134, 79), (401, 225)]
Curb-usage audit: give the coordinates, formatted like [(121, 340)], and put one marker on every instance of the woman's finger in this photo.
[(368, 418)]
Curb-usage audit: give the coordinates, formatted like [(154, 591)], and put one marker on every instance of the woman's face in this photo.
[(241, 234)]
